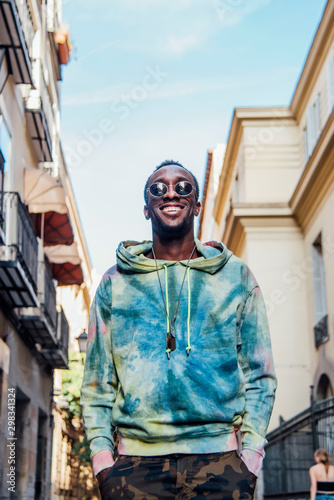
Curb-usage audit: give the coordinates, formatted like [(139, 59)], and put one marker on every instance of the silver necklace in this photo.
[(171, 340)]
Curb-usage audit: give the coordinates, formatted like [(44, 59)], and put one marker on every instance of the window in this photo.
[(324, 389), (237, 189), (319, 293), (313, 127)]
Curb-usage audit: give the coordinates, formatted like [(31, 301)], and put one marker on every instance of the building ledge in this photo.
[(244, 217)]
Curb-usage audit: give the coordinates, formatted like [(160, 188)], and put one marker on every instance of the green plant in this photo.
[(72, 379)]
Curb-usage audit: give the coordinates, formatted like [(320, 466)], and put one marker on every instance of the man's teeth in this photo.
[(171, 210)]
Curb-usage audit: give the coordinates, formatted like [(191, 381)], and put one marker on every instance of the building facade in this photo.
[(274, 208), (45, 269)]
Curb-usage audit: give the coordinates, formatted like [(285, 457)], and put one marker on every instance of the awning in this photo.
[(42, 193), (46, 198), (67, 274), (12, 37), (66, 268), (59, 254), (57, 229)]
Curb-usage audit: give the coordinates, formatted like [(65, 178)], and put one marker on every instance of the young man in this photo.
[(178, 360)]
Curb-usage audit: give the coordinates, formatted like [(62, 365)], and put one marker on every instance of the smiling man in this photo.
[(179, 361)]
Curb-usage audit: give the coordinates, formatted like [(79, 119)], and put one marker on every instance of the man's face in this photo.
[(172, 214)]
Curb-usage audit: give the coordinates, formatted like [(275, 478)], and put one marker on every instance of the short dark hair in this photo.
[(165, 164)]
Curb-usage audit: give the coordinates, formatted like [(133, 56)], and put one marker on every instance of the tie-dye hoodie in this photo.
[(219, 379)]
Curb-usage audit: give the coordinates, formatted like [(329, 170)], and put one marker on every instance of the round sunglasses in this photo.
[(182, 188)]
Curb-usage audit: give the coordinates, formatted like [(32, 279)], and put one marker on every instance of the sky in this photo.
[(150, 80)]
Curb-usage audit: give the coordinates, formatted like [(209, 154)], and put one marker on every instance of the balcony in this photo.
[(39, 114), (58, 357), (19, 255), (41, 322), (17, 33), (321, 332)]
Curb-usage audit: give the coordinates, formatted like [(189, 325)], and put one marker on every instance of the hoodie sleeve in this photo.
[(100, 383), (256, 362)]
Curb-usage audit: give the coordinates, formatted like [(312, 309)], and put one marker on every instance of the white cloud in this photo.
[(121, 92), (164, 26), (172, 89), (232, 12), (144, 4), (181, 44)]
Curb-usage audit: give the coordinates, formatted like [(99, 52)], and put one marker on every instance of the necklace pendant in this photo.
[(171, 341)]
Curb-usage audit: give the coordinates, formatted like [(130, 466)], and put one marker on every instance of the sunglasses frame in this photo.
[(174, 186)]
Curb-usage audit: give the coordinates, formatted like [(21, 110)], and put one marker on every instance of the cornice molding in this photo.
[(228, 165), (205, 190), (241, 116), (246, 217)]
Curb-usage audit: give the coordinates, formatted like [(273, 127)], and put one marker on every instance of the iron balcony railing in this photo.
[(39, 97), (321, 331), (63, 332), (47, 295), (40, 322), (57, 355), (290, 449), (16, 34), (21, 247)]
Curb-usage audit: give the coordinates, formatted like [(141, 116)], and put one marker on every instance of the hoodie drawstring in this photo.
[(188, 348), (167, 308)]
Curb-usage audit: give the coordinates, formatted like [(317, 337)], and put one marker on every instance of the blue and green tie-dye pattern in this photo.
[(188, 404)]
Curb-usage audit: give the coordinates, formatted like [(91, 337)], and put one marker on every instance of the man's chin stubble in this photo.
[(166, 230)]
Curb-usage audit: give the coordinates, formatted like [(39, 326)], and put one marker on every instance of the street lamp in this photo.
[(82, 341)]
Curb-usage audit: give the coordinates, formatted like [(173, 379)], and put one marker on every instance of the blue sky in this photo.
[(156, 79)]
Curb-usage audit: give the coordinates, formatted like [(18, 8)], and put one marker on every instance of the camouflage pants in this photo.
[(207, 477)]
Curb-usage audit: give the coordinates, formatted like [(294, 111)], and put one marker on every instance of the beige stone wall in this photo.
[(322, 359), (265, 166), (273, 253), (272, 160)]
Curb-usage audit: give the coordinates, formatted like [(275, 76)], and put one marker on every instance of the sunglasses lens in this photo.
[(183, 188), (158, 189)]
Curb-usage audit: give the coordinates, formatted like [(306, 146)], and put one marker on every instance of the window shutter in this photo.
[(311, 137), (319, 285), (317, 125), (305, 144), (330, 84)]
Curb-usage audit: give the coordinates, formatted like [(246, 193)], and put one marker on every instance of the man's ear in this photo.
[(197, 208), (147, 212)]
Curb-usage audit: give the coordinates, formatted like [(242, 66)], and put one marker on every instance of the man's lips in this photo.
[(171, 209)]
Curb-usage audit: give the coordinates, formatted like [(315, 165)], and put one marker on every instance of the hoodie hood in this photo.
[(131, 257)]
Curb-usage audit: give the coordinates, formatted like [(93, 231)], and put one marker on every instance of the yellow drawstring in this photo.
[(188, 348), (167, 305)]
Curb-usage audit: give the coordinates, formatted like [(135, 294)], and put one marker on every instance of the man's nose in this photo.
[(171, 193)]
